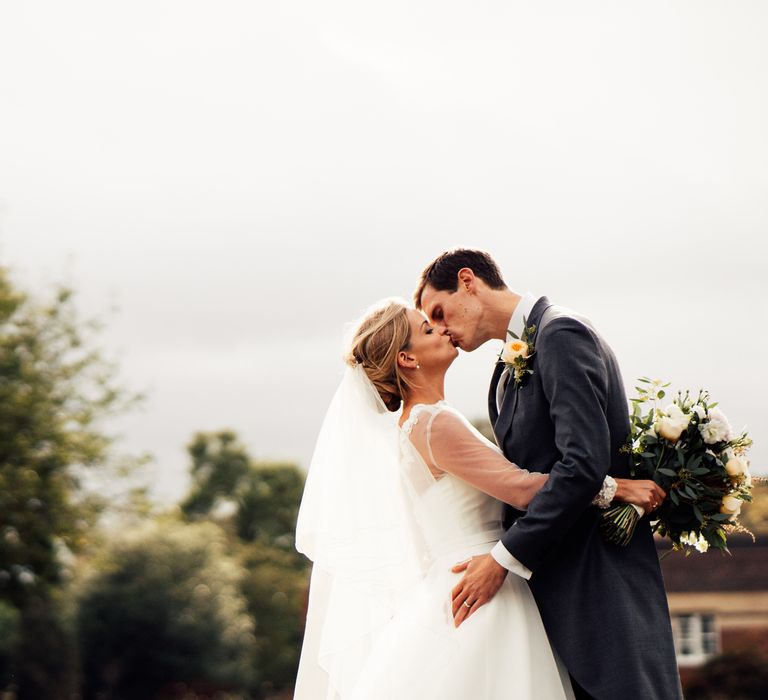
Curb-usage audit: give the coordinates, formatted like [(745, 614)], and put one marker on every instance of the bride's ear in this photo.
[(406, 361)]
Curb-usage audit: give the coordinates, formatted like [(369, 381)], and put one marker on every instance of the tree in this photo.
[(163, 615), (263, 500), (276, 591), (219, 467), (268, 505), (9, 640), (54, 391)]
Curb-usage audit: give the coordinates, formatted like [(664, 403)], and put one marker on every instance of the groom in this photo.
[(603, 606)]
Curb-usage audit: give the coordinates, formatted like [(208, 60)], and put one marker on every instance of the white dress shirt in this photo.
[(517, 326)]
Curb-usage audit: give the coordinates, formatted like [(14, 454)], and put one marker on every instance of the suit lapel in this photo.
[(503, 422)]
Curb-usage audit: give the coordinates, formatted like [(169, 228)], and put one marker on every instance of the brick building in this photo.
[(719, 603)]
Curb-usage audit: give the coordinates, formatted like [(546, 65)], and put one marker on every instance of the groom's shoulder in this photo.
[(557, 317), (560, 327)]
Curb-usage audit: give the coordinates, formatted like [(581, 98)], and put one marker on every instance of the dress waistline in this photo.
[(457, 545)]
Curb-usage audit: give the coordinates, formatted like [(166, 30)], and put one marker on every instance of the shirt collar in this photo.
[(521, 314)]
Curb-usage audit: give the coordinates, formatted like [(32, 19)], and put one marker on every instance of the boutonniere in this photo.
[(517, 354)]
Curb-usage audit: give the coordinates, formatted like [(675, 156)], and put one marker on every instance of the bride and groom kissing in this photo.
[(447, 566)]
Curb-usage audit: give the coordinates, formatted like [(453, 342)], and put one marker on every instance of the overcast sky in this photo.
[(241, 179)]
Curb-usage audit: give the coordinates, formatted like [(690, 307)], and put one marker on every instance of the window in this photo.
[(696, 638)]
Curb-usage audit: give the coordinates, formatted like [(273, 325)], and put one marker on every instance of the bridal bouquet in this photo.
[(689, 449)]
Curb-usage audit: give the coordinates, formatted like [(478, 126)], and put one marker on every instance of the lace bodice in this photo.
[(438, 445), (457, 479)]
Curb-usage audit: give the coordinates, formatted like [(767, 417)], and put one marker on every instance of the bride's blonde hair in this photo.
[(382, 333)]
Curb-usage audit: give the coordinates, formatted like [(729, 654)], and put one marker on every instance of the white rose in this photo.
[(672, 423), (699, 411), (675, 412), (701, 544), (514, 349), (716, 429), (731, 506), (737, 468)]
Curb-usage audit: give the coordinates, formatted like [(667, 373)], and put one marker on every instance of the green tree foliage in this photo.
[(264, 500), (9, 641), (267, 505), (220, 465), (163, 615), (276, 591), (264, 496), (54, 390)]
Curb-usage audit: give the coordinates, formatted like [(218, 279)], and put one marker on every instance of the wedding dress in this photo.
[(400, 642)]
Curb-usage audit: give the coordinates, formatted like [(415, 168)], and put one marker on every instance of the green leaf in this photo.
[(666, 472), (698, 514)]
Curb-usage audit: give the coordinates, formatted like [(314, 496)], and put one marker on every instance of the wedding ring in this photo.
[(467, 604)]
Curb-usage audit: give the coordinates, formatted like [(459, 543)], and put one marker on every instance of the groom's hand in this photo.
[(483, 578)]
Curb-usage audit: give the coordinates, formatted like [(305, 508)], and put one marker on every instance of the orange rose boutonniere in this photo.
[(517, 354)]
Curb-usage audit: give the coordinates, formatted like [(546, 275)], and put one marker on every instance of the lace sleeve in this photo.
[(448, 443), (606, 493)]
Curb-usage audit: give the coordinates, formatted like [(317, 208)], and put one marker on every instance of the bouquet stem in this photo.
[(618, 524)]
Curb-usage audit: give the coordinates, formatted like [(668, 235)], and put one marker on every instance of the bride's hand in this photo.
[(641, 492), (480, 583)]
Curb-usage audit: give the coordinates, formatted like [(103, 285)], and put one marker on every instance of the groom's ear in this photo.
[(467, 280)]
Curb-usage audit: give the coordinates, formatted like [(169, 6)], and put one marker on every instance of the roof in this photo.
[(745, 569)]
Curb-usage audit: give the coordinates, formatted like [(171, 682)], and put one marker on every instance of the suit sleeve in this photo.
[(575, 380)]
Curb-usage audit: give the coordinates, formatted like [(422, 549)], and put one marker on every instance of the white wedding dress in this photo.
[(501, 652)]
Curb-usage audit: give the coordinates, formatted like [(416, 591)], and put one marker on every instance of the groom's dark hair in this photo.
[(442, 274)]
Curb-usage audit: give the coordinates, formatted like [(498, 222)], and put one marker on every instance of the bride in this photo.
[(393, 500)]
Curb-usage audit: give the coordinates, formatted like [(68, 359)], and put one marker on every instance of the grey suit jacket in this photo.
[(604, 606)]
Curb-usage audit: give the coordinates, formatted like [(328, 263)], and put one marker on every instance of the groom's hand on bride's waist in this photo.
[(482, 579)]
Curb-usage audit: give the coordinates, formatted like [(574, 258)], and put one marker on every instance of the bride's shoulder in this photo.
[(425, 414)]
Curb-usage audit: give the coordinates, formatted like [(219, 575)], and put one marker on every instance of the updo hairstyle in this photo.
[(380, 336)]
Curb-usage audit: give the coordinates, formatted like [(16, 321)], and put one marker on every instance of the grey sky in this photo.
[(242, 178)]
